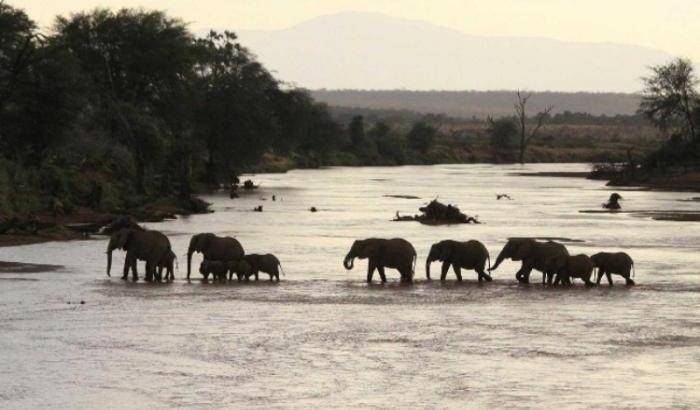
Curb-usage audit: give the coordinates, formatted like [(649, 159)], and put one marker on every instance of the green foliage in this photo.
[(421, 137), (670, 97), (502, 133)]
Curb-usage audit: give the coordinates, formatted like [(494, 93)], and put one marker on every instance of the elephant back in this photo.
[(224, 249), (146, 243), (547, 253)]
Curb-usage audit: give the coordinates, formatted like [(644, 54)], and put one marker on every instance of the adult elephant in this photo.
[(460, 255), (394, 253), (534, 255), (212, 247), (150, 246)]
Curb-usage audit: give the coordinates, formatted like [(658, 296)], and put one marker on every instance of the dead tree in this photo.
[(521, 114)]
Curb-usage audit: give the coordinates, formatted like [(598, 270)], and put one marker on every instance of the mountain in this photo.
[(357, 50)]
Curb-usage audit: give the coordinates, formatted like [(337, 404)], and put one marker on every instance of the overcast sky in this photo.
[(669, 25)]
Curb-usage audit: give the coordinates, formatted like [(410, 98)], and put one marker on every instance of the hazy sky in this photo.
[(669, 25)]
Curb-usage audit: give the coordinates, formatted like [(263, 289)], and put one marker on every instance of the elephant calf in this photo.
[(394, 253), (574, 266), (166, 263), (217, 269), (267, 263), (618, 263), (468, 255)]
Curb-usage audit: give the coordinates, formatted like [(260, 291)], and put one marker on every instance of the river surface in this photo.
[(323, 338)]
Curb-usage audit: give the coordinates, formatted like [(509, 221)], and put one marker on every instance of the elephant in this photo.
[(618, 263), (575, 266), (468, 255), (241, 268), (394, 253), (150, 246), (214, 248), (534, 255), (167, 263), (217, 269), (267, 263)]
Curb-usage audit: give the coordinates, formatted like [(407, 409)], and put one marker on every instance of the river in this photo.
[(323, 338)]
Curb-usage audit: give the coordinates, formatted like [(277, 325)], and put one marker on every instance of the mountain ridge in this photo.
[(358, 50)]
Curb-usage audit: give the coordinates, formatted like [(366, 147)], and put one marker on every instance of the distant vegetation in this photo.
[(125, 111), (478, 104)]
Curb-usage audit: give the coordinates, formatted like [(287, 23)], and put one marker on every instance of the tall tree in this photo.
[(357, 131), (421, 136), (670, 97), (526, 135)]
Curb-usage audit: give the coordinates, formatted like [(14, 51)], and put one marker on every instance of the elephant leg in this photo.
[(629, 281), (523, 274), (134, 270), (482, 274), (370, 270), (380, 269), (599, 276), (445, 268), (458, 272), (127, 266), (608, 275)]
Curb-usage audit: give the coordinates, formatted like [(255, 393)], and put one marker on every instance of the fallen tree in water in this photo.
[(437, 213)]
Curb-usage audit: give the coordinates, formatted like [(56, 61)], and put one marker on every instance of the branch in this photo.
[(540, 121)]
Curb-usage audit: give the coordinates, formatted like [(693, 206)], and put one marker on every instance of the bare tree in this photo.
[(521, 114)]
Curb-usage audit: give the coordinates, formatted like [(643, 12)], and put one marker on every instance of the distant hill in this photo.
[(480, 104), (357, 50)]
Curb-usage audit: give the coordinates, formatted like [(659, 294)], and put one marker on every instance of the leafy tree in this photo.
[(502, 133), (421, 136), (670, 97), (357, 131)]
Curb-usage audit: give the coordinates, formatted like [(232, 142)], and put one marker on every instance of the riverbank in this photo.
[(83, 222)]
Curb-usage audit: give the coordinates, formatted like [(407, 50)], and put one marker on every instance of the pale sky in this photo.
[(669, 25)]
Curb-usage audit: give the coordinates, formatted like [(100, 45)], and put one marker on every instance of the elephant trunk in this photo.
[(348, 262), (109, 262), (499, 259), (189, 262)]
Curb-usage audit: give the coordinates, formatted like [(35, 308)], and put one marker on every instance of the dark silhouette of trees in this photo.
[(421, 136), (670, 99)]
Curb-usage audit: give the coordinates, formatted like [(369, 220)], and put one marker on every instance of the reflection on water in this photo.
[(324, 338)]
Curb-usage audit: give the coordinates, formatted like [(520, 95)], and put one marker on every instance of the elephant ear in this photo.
[(123, 238), (523, 249), (445, 251), (372, 249)]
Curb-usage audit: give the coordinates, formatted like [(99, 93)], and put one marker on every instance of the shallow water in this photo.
[(324, 338)]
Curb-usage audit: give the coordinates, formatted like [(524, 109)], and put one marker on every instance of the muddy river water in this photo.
[(323, 338)]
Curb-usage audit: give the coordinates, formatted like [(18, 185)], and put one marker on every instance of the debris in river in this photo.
[(503, 196), (249, 185), (437, 213), (258, 208), (613, 202), (401, 196), (313, 209)]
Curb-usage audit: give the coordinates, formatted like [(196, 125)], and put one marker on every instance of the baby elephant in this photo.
[(166, 263), (267, 263), (618, 263), (217, 269), (576, 266), (241, 268)]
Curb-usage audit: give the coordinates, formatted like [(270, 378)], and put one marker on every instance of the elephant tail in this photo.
[(280, 265), (413, 269), (489, 259), (633, 273)]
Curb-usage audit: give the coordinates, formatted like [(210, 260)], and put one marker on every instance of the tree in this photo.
[(421, 136), (502, 133), (357, 131), (521, 114), (670, 97)]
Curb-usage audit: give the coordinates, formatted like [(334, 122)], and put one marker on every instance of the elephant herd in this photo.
[(224, 257), (550, 258)]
